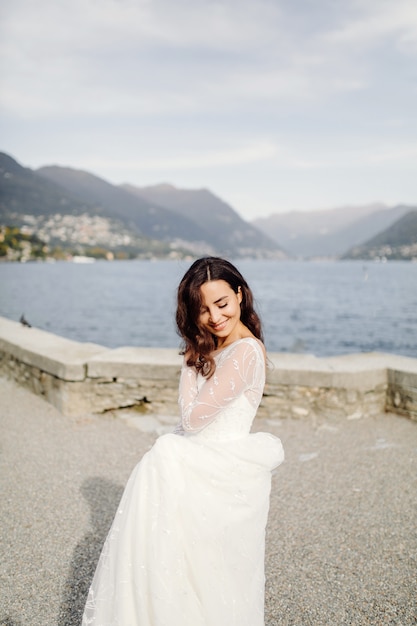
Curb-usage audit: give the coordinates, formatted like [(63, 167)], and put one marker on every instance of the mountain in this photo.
[(143, 217), (224, 228), (199, 219), (22, 192), (50, 199), (368, 226), (330, 232), (399, 241), (74, 207)]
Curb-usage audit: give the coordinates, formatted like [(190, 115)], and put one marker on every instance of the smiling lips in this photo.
[(218, 327)]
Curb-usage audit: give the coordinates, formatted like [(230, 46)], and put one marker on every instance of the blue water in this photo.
[(323, 308)]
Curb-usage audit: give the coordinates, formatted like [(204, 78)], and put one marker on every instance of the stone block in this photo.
[(158, 363), (349, 372), (55, 355), (403, 378), (402, 400)]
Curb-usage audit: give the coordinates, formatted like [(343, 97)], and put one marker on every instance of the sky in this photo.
[(273, 105)]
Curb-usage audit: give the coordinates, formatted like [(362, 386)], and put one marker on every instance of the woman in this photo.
[(187, 544)]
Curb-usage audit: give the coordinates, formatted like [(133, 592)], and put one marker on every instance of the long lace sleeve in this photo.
[(188, 391), (240, 369)]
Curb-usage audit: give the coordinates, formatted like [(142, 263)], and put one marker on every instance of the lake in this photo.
[(323, 308)]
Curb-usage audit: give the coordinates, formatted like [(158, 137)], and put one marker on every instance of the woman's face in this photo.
[(220, 310)]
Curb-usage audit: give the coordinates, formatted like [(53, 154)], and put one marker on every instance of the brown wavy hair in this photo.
[(199, 343)]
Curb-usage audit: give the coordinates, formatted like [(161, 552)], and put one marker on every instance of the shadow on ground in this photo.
[(103, 498)]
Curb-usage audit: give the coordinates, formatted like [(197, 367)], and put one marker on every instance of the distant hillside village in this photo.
[(63, 213)]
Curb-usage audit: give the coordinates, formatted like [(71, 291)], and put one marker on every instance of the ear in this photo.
[(239, 294)]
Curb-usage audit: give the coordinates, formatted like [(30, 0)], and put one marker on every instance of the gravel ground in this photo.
[(341, 541)]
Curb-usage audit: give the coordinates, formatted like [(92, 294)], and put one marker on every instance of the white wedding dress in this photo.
[(187, 544)]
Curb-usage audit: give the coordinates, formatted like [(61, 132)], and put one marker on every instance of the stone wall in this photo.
[(81, 378)]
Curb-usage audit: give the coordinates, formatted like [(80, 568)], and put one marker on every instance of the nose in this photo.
[(214, 316)]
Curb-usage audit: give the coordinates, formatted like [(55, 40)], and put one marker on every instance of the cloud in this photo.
[(228, 93), (149, 57), (203, 159), (403, 154), (143, 57), (140, 24), (377, 20)]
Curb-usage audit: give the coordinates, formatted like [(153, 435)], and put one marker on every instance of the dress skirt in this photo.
[(187, 544)]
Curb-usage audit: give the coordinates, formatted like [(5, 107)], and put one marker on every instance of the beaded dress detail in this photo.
[(187, 544)]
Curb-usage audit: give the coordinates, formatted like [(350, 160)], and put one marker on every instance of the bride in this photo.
[(187, 544)]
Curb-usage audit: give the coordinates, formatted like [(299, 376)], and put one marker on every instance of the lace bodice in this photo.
[(224, 405)]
